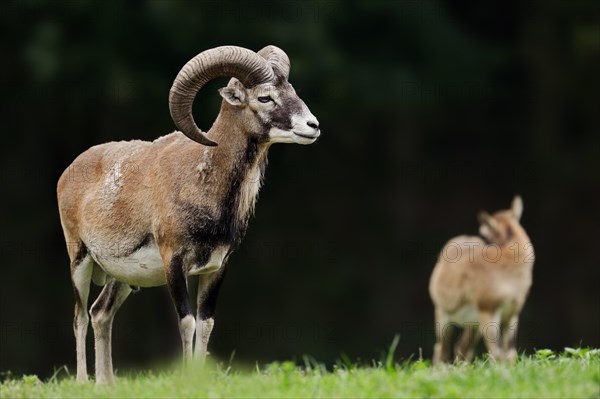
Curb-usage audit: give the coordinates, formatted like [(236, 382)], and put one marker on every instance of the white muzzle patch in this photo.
[(304, 131)]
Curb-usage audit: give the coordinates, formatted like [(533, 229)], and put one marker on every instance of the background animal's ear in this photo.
[(233, 95), (517, 207), (487, 219)]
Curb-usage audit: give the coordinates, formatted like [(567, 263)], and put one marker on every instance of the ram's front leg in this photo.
[(208, 290), (177, 283)]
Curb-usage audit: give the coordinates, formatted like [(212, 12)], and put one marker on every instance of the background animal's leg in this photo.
[(509, 338), (465, 347), (208, 290), (177, 283), (489, 327), (443, 333), (103, 312), (81, 276)]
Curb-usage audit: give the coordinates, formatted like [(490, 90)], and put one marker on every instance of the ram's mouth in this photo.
[(307, 136)]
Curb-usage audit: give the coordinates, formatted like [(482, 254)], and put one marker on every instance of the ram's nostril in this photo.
[(314, 125)]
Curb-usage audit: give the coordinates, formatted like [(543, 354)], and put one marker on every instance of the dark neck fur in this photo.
[(207, 230)]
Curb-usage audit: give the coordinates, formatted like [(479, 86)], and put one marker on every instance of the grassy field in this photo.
[(572, 374)]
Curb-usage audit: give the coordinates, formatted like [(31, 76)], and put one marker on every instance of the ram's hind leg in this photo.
[(81, 276), (208, 290), (103, 312)]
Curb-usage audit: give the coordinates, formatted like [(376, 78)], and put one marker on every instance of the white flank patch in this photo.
[(124, 169), (142, 268), (114, 179), (203, 170), (204, 167), (112, 185)]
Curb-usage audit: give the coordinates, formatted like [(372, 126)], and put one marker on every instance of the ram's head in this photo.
[(259, 93)]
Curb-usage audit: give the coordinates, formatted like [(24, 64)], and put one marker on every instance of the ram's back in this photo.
[(105, 196)]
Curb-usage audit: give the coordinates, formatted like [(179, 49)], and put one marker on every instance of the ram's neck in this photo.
[(243, 174), (233, 172), (251, 182)]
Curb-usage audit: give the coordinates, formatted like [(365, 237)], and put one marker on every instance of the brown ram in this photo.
[(145, 214)]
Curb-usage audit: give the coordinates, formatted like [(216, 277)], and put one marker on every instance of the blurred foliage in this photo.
[(430, 111)]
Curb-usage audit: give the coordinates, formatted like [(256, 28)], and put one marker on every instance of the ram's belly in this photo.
[(143, 268)]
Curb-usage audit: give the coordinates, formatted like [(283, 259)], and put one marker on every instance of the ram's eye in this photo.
[(265, 99)]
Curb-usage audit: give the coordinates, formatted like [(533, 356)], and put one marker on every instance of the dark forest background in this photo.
[(430, 112)]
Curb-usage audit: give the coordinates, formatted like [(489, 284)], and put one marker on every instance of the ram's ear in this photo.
[(233, 95), (487, 219), (517, 207)]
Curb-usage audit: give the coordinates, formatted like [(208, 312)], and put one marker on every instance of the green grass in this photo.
[(574, 373)]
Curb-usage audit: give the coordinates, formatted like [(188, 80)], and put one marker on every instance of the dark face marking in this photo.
[(281, 116), (285, 104)]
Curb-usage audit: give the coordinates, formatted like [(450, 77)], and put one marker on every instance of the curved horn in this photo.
[(226, 61), (278, 59)]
